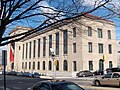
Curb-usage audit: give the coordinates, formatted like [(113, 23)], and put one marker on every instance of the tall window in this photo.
[(26, 49), (57, 43), (74, 32), (33, 65), (101, 64), (34, 48), (100, 47), (57, 65), (44, 46), (100, 35), (89, 46), (65, 66), (23, 52), (90, 65), (74, 47), (50, 44), (43, 65), (30, 49), (29, 65), (109, 34), (110, 49), (65, 41), (38, 65), (74, 66), (38, 47), (19, 47), (50, 65), (25, 65), (110, 64), (89, 31)]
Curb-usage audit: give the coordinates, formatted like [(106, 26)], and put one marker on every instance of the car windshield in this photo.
[(66, 86)]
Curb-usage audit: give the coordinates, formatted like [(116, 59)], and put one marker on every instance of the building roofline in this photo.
[(64, 22)]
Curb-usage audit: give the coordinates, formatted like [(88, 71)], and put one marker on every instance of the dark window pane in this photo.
[(50, 44), (57, 43), (100, 35), (44, 46), (38, 47), (65, 41), (74, 32), (89, 31)]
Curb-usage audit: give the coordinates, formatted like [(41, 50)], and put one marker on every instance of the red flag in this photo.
[(12, 52)]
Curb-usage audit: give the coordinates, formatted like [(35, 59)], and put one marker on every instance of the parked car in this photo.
[(35, 75), (56, 85), (112, 79), (19, 73), (27, 74), (12, 73), (84, 73)]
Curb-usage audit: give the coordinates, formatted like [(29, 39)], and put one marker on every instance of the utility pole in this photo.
[(4, 58)]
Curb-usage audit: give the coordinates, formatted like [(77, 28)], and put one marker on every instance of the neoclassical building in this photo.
[(82, 43)]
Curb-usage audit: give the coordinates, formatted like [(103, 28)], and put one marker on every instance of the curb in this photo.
[(81, 78)]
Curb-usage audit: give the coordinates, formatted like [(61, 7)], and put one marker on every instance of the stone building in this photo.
[(82, 43)]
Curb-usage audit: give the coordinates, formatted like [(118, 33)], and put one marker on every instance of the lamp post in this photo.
[(53, 58)]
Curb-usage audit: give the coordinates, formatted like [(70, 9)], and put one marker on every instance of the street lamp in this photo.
[(53, 58)]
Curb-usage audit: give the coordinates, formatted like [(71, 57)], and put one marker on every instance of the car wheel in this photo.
[(97, 83)]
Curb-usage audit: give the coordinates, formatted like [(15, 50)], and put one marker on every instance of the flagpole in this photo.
[(4, 64)]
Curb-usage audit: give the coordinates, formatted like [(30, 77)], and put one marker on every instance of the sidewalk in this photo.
[(78, 78)]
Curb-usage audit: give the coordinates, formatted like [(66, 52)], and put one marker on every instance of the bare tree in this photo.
[(41, 13)]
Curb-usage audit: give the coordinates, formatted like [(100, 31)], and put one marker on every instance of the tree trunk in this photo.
[(2, 30)]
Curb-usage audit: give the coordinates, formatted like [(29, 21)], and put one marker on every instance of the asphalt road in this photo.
[(23, 83), (18, 83)]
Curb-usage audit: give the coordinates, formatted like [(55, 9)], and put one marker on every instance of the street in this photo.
[(23, 83)]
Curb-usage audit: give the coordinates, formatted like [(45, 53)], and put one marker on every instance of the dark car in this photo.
[(56, 85), (84, 73), (35, 75), (12, 73), (98, 72)]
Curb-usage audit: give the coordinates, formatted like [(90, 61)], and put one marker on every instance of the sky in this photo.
[(86, 2)]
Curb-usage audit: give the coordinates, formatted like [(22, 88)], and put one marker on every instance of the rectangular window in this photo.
[(19, 47), (38, 47), (33, 65), (57, 44), (30, 49), (89, 31), (89, 46), (74, 32), (29, 65), (50, 44), (26, 49), (100, 47), (34, 48), (110, 49), (110, 64), (25, 65), (100, 35), (23, 52), (74, 47), (90, 65), (44, 46), (109, 34), (74, 66), (65, 41)]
